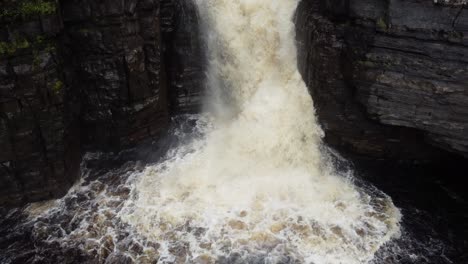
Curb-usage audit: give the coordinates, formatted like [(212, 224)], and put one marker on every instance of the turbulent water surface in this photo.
[(257, 182), (253, 184)]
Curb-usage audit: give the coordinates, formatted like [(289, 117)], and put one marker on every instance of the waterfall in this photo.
[(257, 185)]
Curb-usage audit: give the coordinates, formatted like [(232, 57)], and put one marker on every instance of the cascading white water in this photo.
[(257, 184)]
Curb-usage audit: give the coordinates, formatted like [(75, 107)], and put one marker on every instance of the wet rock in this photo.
[(204, 259), (118, 74), (236, 224), (388, 78), (277, 227), (89, 77), (183, 55), (35, 162), (118, 258)]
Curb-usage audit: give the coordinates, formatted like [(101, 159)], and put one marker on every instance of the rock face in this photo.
[(88, 75), (183, 54), (35, 161), (113, 59), (389, 77)]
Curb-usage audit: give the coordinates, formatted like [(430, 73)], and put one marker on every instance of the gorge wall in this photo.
[(79, 76), (35, 163), (389, 80), (389, 77)]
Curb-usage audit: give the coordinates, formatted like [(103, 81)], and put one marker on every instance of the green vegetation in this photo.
[(17, 11), (40, 43), (9, 48), (381, 24), (23, 9), (84, 30), (367, 63), (455, 35), (58, 86), (43, 43)]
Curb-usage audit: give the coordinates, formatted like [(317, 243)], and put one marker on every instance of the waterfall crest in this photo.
[(257, 184)]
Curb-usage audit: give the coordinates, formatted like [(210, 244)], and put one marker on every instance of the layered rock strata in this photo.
[(389, 77)]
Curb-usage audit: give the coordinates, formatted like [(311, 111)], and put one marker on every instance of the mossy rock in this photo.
[(381, 24), (10, 48), (25, 9), (57, 87)]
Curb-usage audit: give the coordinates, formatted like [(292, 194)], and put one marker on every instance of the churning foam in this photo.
[(257, 185)]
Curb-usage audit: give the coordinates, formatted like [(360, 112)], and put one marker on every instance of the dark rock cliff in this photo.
[(87, 75), (36, 148), (183, 55), (389, 77), (113, 63)]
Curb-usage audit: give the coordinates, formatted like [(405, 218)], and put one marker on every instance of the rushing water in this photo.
[(257, 183), (252, 185)]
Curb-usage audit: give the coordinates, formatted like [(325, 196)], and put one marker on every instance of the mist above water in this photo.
[(257, 185)]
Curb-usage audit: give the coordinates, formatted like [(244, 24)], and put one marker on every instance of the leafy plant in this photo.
[(24, 9)]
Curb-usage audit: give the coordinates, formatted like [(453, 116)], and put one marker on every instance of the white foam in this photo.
[(257, 183)]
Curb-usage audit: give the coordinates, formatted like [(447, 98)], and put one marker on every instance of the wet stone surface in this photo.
[(85, 226)]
